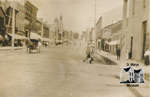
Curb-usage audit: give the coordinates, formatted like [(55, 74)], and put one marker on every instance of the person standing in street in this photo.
[(87, 54), (28, 45), (91, 55)]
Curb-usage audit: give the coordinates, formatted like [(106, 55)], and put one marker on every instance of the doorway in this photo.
[(144, 25), (131, 48)]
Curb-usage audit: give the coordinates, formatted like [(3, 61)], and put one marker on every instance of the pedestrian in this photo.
[(28, 45), (91, 55), (39, 46), (87, 54), (118, 52)]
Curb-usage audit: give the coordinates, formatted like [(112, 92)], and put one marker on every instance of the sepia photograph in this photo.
[(74, 48)]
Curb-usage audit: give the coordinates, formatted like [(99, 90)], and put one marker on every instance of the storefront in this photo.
[(112, 45), (2, 27), (35, 36), (99, 44), (19, 40)]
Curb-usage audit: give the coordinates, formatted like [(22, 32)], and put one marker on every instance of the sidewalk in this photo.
[(108, 55), (120, 62), (10, 48)]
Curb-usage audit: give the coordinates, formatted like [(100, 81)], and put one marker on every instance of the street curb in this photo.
[(106, 56), (11, 48)]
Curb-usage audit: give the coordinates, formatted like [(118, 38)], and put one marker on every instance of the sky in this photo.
[(78, 15)]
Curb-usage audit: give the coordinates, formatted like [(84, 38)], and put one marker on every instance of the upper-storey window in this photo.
[(133, 7), (144, 3)]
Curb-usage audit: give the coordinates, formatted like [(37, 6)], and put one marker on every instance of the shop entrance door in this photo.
[(144, 38)]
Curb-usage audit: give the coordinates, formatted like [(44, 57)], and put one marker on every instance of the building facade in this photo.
[(46, 31), (111, 36), (19, 17), (98, 28), (8, 7), (136, 30), (30, 11), (2, 26), (59, 30)]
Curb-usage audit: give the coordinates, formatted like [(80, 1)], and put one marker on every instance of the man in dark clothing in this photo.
[(118, 53), (87, 54)]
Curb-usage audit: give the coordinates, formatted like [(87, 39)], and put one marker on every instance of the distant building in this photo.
[(59, 30), (37, 28), (19, 19), (70, 35), (90, 34), (56, 29), (52, 33), (30, 11), (45, 31), (30, 20), (65, 36), (99, 28), (98, 31)]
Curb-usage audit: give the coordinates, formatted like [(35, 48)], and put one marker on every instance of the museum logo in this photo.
[(130, 74)]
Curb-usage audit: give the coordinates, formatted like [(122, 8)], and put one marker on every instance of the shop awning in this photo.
[(115, 42), (99, 40), (16, 36), (35, 36), (147, 53)]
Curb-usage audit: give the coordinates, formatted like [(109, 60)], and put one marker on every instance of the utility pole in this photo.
[(13, 24), (95, 16), (94, 30), (61, 30), (42, 30)]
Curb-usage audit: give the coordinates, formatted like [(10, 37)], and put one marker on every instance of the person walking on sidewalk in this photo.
[(118, 52)]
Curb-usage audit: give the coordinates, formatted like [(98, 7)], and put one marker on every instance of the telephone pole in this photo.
[(42, 31), (94, 30), (13, 24)]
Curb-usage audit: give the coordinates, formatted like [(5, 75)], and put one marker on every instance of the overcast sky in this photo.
[(78, 14)]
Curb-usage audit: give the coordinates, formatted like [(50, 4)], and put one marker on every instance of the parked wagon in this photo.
[(33, 46)]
